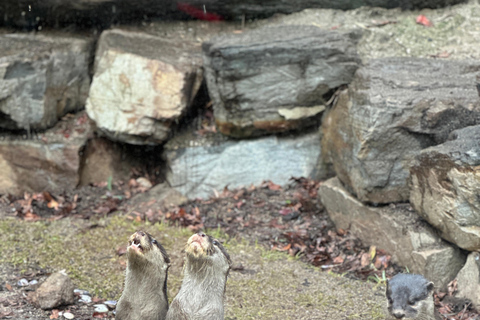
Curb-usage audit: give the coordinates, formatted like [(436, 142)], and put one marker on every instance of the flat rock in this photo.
[(48, 161), (394, 108), (396, 229), (276, 78), (56, 291), (142, 84), (160, 197), (42, 77), (200, 166), (444, 187), (468, 280)]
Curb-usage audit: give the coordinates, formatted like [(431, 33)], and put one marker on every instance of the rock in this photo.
[(21, 13), (42, 78), (468, 280), (396, 229), (68, 315), (275, 79), (50, 161), (394, 108), (85, 298), (200, 165), (445, 180), (100, 308), (142, 84), (57, 290)]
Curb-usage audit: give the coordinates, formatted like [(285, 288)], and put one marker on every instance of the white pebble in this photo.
[(68, 315), (84, 298), (100, 308)]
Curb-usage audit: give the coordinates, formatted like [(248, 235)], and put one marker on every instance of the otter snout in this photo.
[(399, 314)]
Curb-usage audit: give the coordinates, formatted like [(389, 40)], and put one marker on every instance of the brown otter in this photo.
[(145, 294), (205, 271), (409, 296)]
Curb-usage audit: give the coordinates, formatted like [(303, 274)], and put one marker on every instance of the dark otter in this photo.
[(204, 281), (409, 296), (145, 294)]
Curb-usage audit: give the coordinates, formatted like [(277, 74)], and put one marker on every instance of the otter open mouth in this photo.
[(135, 245)]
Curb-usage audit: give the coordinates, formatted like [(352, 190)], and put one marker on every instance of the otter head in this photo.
[(409, 296), (143, 248), (203, 249)]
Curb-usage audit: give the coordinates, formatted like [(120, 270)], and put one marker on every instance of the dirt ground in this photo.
[(289, 262)]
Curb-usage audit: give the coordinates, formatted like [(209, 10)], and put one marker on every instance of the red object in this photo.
[(198, 13), (421, 19)]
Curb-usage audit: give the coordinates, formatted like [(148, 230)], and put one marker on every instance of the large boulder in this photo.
[(445, 180), (56, 291), (396, 229), (198, 166), (42, 77), (394, 108), (275, 79), (142, 84), (51, 161)]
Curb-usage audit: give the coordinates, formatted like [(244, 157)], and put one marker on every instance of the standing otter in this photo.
[(204, 281), (409, 296), (145, 294)]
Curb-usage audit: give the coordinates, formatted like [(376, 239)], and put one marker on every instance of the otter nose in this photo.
[(398, 314)]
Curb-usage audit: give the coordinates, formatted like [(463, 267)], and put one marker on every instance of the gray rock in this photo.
[(142, 84), (274, 79), (394, 108), (199, 166), (160, 197), (41, 79), (445, 180), (57, 290), (396, 229), (49, 161), (468, 280)]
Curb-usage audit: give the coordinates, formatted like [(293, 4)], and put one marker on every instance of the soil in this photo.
[(274, 220)]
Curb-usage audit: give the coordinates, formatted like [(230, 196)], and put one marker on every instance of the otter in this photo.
[(145, 294), (409, 296), (205, 273)]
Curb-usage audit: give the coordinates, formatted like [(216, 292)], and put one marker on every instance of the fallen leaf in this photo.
[(54, 314), (423, 20), (8, 286)]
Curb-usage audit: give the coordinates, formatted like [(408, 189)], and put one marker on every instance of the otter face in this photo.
[(203, 247), (143, 247), (408, 296)]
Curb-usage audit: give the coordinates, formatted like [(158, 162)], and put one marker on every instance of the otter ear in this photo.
[(430, 287)]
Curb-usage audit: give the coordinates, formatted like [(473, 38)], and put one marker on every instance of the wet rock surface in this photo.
[(394, 108), (275, 79), (141, 85), (47, 161), (396, 229), (200, 166), (444, 181), (42, 77)]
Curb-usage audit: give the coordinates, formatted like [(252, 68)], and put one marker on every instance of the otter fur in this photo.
[(205, 272), (145, 294), (410, 296)]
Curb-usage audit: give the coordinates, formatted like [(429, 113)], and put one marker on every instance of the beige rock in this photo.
[(49, 162), (444, 185), (142, 84), (468, 279), (57, 290), (396, 229)]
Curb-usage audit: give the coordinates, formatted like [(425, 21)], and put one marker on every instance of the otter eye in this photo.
[(154, 241), (411, 302), (215, 243)]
